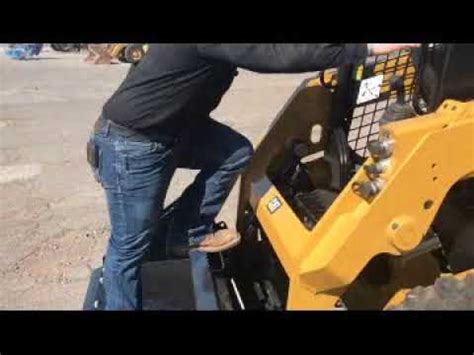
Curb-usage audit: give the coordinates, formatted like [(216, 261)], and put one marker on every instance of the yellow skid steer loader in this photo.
[(360, 196)]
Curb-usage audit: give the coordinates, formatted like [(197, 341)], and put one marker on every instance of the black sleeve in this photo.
[(284, 58)]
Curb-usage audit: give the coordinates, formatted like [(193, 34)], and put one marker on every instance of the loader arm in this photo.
[(322, 262)]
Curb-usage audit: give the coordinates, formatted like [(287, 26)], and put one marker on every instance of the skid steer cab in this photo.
[(360, 196)]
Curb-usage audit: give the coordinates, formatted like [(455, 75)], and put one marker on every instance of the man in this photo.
[(158, 120)]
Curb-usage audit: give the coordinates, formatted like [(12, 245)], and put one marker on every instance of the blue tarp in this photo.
[(22, 51)]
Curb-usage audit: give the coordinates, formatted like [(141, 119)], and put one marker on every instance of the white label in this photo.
[(274, 205), (369, 89)]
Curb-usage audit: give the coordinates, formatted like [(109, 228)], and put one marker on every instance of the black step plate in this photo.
[(184, 284)]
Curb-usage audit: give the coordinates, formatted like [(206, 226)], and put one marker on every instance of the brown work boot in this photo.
[(218, 241)]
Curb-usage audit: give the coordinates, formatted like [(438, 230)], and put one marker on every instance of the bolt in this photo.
[(377, 168), (428, 204), (381, 148), (369, 188), (395, 226)]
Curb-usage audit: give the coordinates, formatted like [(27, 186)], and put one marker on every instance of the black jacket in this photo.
[(176, 85)]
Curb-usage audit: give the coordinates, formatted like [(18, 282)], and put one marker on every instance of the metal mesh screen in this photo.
[(364, 125)]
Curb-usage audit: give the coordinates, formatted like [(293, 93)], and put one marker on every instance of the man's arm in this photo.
[(284, 58)]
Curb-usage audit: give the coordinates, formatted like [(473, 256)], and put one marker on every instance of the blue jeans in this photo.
[(135, 174)]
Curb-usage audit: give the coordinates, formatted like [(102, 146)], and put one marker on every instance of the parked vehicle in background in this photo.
[(128, 52), (124, 52), (23, 51), (67, 47)]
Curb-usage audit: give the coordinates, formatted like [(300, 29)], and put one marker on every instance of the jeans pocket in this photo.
[(144, 157), (139, 148), (108, 168), (147, 161)]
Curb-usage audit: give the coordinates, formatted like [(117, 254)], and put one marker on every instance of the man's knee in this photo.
[(242, 154), (246, 149)]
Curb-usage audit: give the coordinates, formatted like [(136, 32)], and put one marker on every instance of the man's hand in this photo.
[(385, 48)]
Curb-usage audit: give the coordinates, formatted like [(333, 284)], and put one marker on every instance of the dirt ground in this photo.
[(53, 218)]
